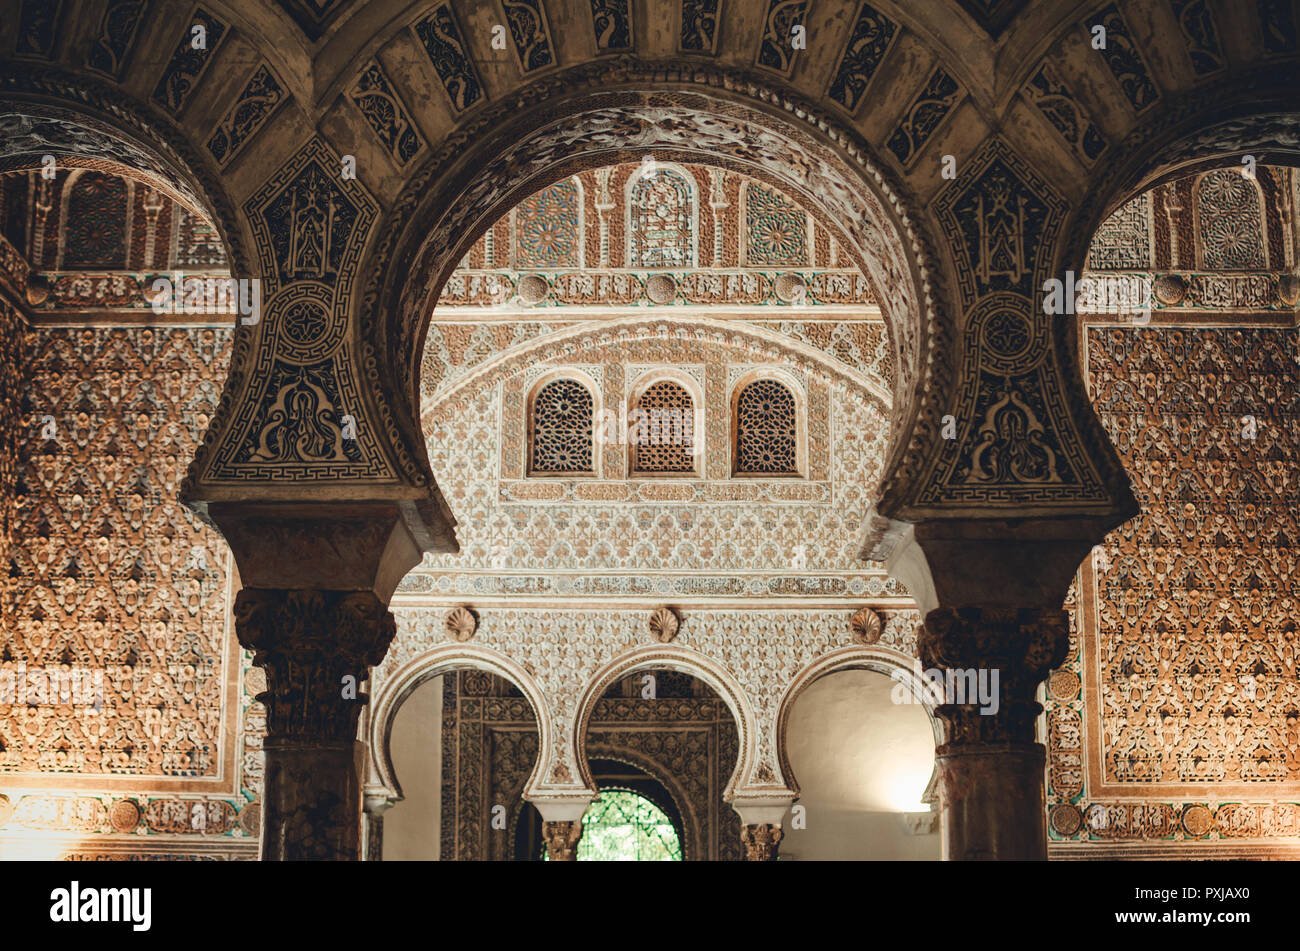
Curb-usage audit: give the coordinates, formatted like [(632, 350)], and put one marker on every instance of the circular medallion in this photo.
[(461, 624), (255, 681), (1063, 685), (1288, 289), (866, 626), (533, 288), (661, 288), (791, 287), (1066, 820), (38, 290), (1170, 289), (306, 327), (1007, 334), (1009, 340), (664, 624), (250, 819), (124, 815), (1197, 820), (6, 809)]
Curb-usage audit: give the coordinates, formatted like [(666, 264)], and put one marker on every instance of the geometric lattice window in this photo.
[(766, 424), (661, 430), (561, 429), (625, 826)]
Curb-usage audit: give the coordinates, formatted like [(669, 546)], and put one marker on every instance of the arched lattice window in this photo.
[(661, 219), (766, 430), (560, 426), (625, 826), (661, 429), (1231, 222)]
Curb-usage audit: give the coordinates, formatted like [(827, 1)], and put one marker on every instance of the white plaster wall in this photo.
[(861, 760), (412, 827)]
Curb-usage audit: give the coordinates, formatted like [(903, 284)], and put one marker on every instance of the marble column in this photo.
[(991, 592), (562, 821), (316, 647), (761, 811), (375, 807), (990, 766), (761, 842)]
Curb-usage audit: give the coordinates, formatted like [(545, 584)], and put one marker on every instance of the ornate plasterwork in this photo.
[(712, 526), (1023, 442), (570, 656), (1182, 623), (558, 612), (172, 755), (310, 226), (699, 121)]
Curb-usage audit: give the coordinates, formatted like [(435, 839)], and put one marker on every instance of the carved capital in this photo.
[(309, 641), (1021, 644), (562, 839), (761, 842)]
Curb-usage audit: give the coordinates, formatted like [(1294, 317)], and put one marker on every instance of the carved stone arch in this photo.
[(893, 664), (723, 332), (683, 660), (1212, 127), (85, 122), (404, 681), (605, 112), (1253, 113)]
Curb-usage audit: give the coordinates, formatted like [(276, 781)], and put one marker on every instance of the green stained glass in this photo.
[(624, 826)]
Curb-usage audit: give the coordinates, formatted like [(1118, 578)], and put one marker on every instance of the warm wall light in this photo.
[(905, 790)]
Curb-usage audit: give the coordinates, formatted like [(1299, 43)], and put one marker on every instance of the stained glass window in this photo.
[(766, 442), (661, 429), (561, 429), (661, 220), (624, 826)]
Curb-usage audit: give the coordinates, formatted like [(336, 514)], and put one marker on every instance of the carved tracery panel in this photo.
[(766, 422), (560, 427)]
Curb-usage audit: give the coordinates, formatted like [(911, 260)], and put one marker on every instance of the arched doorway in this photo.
[(861, 746), (634, 819), (462, 745)]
